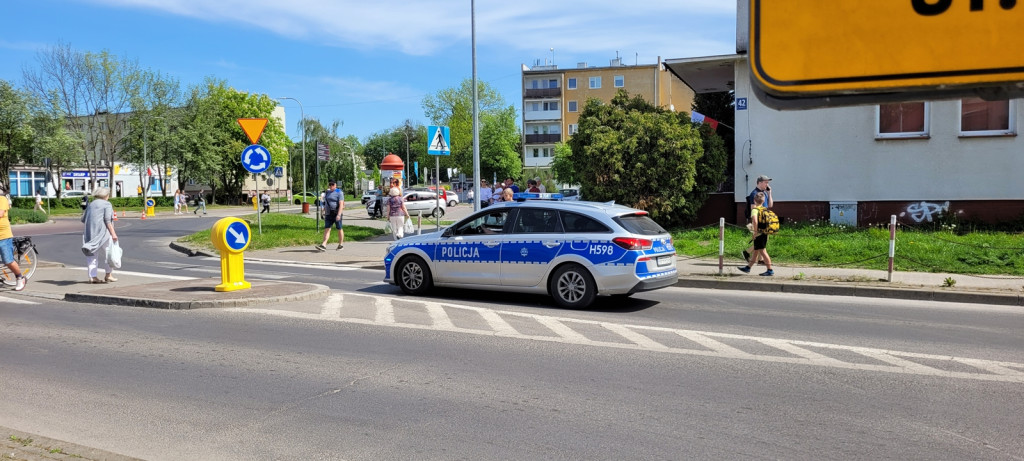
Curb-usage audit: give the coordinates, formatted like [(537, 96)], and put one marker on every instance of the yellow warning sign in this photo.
[(253, 128)]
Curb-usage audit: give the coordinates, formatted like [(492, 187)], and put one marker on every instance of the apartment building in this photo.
[(553, 99)]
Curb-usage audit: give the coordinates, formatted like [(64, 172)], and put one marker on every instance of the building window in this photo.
[(27, 183), (552, 83), (572, 83), (547, 153), (985, 118), (620, 81), (534, 84), (536, 129), (534, 106), (572, 106), (572, 128), (595, 82), (536, 153), (902, 120), (551, 105)]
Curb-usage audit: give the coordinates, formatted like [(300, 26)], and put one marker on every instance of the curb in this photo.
[(189, 251), (862, 291), (314, 292)]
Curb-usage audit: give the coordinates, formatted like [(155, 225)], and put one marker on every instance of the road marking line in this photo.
[(893, 361), (144, 274), (639, 339), (16, 300), (331, 308), (385, 311), (439, 316), (717, 347), (563, 331)]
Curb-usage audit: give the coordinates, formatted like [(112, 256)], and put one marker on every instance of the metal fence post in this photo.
[(721, 245), (892, 243)]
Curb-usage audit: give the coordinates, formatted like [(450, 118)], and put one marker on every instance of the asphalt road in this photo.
[(370, 374)]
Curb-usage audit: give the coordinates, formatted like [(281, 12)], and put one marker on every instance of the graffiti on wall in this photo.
[(925, 211)]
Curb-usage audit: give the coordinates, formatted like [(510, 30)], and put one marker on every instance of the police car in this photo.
[(573, 251)]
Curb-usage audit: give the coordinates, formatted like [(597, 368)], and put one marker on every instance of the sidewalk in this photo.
[(138, 290)]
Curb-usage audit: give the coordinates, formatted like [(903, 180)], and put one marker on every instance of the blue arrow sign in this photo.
[(439, 140), (256, 158), (237, 235), (150, 202)]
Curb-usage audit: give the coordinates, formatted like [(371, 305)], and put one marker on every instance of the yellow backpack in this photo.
[(767, 220)]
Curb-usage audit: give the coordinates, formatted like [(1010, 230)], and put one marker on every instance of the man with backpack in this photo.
[(760, 226), (333, 204), (763, 186)]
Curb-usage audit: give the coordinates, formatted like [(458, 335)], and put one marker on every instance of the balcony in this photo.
[(542, 93), (543, 138), (534, 115)]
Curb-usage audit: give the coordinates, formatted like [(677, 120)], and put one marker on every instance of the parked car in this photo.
[(369, 195), (572, 251), (75, 193), (417, 202), (570, 194), (453, 198)]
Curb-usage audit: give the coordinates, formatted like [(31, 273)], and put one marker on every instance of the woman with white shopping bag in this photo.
[(99, 236), (397, 213)]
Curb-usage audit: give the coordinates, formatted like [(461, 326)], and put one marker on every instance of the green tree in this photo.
[(499, 138), (16, 130), (453, 107), (721, 106), (636, 154)]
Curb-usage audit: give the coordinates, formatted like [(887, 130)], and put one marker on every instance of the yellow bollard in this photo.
[(150, 207), (255, 200), (231, 236)]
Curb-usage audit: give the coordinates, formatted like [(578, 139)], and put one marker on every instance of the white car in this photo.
[(417, 202), (572, 251), (453, 198)]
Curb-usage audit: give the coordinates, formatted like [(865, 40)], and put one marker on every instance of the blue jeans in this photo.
[(7, 251)]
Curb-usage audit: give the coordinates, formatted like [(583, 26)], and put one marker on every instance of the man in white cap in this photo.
[(763, 186)]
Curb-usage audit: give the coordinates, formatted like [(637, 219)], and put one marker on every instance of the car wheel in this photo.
[(572, 286), (437, 213), (413, 275), (453, 203)]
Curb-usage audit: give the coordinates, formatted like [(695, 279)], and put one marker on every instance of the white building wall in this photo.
[(832, 155)]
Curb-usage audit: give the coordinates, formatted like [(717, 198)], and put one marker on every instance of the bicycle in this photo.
[(25, 255)]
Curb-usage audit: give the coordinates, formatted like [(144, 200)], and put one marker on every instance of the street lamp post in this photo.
[(302, 114), (405, 131)]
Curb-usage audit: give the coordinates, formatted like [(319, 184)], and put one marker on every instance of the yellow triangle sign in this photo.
[(253, 127)]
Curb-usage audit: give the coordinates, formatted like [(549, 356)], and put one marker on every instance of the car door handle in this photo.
[(551, 243), (491, 244)]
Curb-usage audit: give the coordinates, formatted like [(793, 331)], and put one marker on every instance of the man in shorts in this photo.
[(7, 243), (760, 239), (333, 204)]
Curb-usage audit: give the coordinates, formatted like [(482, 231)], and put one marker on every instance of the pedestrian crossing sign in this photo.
[(440, 140)]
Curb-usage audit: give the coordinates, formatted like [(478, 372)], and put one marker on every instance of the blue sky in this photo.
[(369, 63)]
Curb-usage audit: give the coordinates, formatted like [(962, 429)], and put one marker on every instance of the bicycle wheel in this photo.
[(26, 262)]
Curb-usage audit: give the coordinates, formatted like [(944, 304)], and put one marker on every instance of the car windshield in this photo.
[(640, 224)]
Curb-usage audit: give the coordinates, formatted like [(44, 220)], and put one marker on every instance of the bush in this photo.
[(21, 216)]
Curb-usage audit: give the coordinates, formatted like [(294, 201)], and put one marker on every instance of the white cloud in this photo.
[(425, 27)]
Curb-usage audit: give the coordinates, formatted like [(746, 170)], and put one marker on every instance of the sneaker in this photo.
[(745, 269), (320, 247), (21, 283), (110, 278), (767, 273), (340, 246), (746, 255)]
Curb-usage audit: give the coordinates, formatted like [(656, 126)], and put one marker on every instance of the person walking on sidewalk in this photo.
[(39, 203), (265, 200), (98, 236), (200, 203), (7, 243), (397, 213), (177, 201), (333, 204), (763, 187), (760, 238)]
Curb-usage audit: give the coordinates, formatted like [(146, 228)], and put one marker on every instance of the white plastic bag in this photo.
[(409, 227), (114, 253)]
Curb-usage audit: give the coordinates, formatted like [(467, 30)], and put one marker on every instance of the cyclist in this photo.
[(7, 243)]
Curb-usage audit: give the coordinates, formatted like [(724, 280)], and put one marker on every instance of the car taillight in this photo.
[(633, 243)]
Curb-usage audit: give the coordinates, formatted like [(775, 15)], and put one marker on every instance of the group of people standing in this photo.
[(505, 191)]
